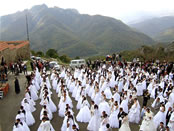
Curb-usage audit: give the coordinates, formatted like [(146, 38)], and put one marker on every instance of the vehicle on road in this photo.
[(77, 63), (55, 65), (33, 57)]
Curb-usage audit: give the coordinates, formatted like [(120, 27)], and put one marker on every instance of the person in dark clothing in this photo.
[(161, 127), (146, 97), (17, 87), (2, 61), (74, 127), (28, 77), (121, 115), (168, 115), (25, 69), (32, 66)]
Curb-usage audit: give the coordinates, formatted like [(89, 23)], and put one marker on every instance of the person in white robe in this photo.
[(104, 122), (94, 122), (46, 108), (171, 122), (147, 123), (113, 119), (84, 114), (160, 116), (20, 116), (104, 106), (134, 113), (125, 124), (18, 126), (45, 125), (29, 117)]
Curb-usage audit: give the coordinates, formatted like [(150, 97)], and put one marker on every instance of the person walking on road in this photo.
[(17, 86)]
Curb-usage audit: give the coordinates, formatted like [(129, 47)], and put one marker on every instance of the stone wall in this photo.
[(15, 52)]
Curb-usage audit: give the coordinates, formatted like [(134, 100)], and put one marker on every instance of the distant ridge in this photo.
[(160, 29), (70, 32)]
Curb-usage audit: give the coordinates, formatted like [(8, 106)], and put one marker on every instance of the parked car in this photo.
[(33, 57), (77, 63), (56, 67), (38, 58), (54, 64)]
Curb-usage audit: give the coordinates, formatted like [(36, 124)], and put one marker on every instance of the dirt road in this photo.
[(11, 104)]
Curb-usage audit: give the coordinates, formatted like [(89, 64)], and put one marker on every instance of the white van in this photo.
[(77, 63)]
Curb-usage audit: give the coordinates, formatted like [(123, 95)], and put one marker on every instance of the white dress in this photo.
[(87, 88), (19, 127), (134, 114), (97, 98), (94, 122), (147, 123), (84, 114), (77, 97), (139, 88), (116, 97), (21, 116), (29, 117), (160, 117), (50, 115), (125, 125), (71, 86), (108, 93), (62, 105), (64, 125), (75, 91), (79, 103), (33, 92), (53, 107), (54, 83), (124, 105), (120, 85), (30, 103), (104, 106), (48, 101), (113, 119), (103, 124), (91, 91), (45, 126)]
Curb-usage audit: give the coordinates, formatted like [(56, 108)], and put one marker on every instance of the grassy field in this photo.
[(28, 65)]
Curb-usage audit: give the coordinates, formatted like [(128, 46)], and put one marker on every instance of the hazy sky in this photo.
[(126, 10)]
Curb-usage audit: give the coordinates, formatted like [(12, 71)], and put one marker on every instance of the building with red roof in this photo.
[(12, 51)]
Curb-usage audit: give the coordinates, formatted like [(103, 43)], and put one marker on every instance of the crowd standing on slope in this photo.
[(107, 97)]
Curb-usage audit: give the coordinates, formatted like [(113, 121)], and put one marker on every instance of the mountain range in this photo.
[(160, 28), (70, 32)]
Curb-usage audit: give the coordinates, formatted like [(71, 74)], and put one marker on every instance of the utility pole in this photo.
[(27, 27), (0, 29)]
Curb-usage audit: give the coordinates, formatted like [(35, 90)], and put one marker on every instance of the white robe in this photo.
[(45, 126)]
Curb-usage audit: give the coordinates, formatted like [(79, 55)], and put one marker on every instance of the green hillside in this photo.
[(166, 36), (71, 33), (157, 52)]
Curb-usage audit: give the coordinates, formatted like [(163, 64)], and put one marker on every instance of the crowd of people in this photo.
[(15, 68), (18, 67), (107, 97)]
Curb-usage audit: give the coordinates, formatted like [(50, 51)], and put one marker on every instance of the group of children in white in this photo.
[(113, 101)]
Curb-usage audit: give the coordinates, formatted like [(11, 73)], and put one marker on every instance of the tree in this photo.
[(40, 54), (33, 52), (65, 59), (52, 53), (77, 57)]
